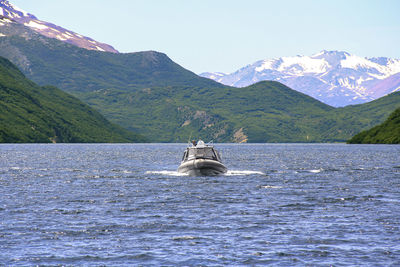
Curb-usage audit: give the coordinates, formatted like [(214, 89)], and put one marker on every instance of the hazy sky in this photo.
[(224, 35)]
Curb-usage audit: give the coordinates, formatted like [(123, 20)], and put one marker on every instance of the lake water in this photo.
[(280, 204)]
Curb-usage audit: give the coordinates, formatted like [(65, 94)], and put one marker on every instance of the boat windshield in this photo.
[(203, 152)]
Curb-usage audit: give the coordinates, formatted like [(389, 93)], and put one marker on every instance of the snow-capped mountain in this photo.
[(47, 29), (333, 77)]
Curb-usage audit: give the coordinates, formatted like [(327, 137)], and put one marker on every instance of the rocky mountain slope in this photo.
[(334, 77), (10, 11)]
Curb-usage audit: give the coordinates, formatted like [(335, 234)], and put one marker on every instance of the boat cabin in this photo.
[(200, 151)]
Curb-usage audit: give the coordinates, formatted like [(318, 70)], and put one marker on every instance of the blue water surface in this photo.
[(125, 204)]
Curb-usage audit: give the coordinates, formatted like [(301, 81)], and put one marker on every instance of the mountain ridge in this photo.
[(51, 30), (336, 78)]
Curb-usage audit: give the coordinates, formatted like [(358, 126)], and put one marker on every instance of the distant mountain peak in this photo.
[(47, 29), (331, 52), (337, 78)]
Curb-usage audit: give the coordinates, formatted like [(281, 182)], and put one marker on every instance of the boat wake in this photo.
[(168, 173), (229, 173), (239, 172)]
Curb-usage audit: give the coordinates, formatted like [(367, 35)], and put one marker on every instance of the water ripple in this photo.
[(122, 205)]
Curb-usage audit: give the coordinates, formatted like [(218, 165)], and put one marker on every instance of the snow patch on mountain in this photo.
[(24, 13), (333, 77), (5, 21), (213, 75), (294, 65), (47, 29), (12, 11), (37, 25), (304, 65)]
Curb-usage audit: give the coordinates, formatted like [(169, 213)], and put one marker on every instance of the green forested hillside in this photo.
[(30, 113), (264, 112), (386, 133), (343, 123), (146, 92), (77, 70)]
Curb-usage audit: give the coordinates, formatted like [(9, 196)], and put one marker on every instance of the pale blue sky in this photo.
[(224, 35)]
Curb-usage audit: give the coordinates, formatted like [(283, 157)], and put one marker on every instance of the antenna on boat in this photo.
[(190, 137)]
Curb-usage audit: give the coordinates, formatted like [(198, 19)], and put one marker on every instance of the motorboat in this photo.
[(200, 159)]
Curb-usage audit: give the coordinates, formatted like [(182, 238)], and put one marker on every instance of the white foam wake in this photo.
[(229, 173), (239, 172), (271, 187), (315, 171), (168, 173)]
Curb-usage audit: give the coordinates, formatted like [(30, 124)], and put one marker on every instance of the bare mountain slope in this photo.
[(47, 29)]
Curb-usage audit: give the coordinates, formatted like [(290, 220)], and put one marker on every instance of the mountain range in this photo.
[(47, 29), (333, 77), (147, 93), (336, 78)]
